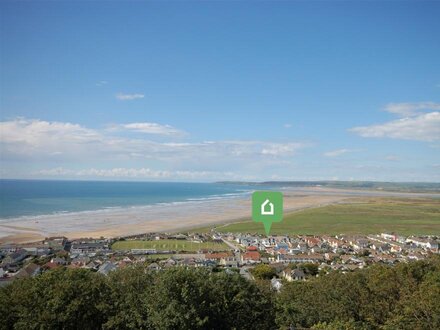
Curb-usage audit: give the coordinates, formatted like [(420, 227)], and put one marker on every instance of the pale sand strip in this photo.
[(168, 218), (131, 221)]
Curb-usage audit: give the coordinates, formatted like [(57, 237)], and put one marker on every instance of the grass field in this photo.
[(372, 216), (168, 245)]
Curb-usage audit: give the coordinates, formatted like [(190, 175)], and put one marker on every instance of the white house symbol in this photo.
[(264, 211)]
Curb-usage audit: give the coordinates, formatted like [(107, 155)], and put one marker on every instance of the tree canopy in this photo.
[(404, 296)]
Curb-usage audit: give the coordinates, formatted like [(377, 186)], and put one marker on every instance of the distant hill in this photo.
[(372, 185)]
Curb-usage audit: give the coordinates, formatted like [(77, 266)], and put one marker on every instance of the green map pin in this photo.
[(267, 207)]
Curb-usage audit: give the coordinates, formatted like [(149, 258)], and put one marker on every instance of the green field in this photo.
[(169, 245), (372, 216)]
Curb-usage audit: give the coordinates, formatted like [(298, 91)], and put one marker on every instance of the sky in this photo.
[(220, 90)]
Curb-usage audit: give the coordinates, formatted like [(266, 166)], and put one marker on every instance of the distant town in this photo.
[(287, 255)]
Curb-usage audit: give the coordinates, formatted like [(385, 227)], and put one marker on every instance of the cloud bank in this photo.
[(416, 124), (424, 127), (33, 141)]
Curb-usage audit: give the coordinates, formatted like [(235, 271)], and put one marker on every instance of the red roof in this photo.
[(252, 255), (51, 265), (252, 248)]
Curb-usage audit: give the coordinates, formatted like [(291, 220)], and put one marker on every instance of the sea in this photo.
[(31, 198)]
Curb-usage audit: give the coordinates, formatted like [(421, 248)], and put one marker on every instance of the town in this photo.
[(291, 258)]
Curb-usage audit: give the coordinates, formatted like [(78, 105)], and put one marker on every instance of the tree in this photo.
[(130, 292), (198, 299), (62, 298), (310, 268), (263, 272)]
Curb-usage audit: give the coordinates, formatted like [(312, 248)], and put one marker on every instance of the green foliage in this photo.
[(57, 299), (263, 272), (189, 299), (310, 268), (404, 297), (381, 297), (130, 290), (339, 325), (134, 298)]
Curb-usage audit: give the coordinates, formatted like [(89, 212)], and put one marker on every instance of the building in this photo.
[(88, 247), (106, 268), (251, 256), (294, 275), (56, 243), (30, 270)]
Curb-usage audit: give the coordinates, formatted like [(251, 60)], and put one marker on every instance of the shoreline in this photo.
[(171, 218)]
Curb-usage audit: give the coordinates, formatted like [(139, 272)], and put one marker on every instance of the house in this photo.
[(37, 250), (188, 262), (229, 262), (30, 270), (330, 256), (334, 243), (15, 257), (312, 241), (80, 261), (169, 263), (345, 258), (87, 247), (153, 266), (217, 256), (92, 265), (433, 245), (58, 261), (8, 248), (250, 256), (421, 242), (106, 268), (294, 275), (2, 272), (51, 265), (281, 245), (390, 237), (360, 243), (56, 243), (301, 258)]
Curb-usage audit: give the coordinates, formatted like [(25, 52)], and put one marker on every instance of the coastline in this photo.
[(117, 222)]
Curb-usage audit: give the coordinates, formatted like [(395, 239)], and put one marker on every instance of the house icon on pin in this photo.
[(267, 208)]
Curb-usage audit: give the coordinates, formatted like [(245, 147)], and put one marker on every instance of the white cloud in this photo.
[(281, 149), (129, 97), (337, 153), (422, 127), (287, 125), (152, 128), (411, 109), (33, 141), (27, 138)]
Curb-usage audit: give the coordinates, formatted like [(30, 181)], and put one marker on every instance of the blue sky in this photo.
[(203, 91)]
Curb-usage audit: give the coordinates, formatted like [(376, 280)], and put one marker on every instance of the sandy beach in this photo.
[(162, 218)]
